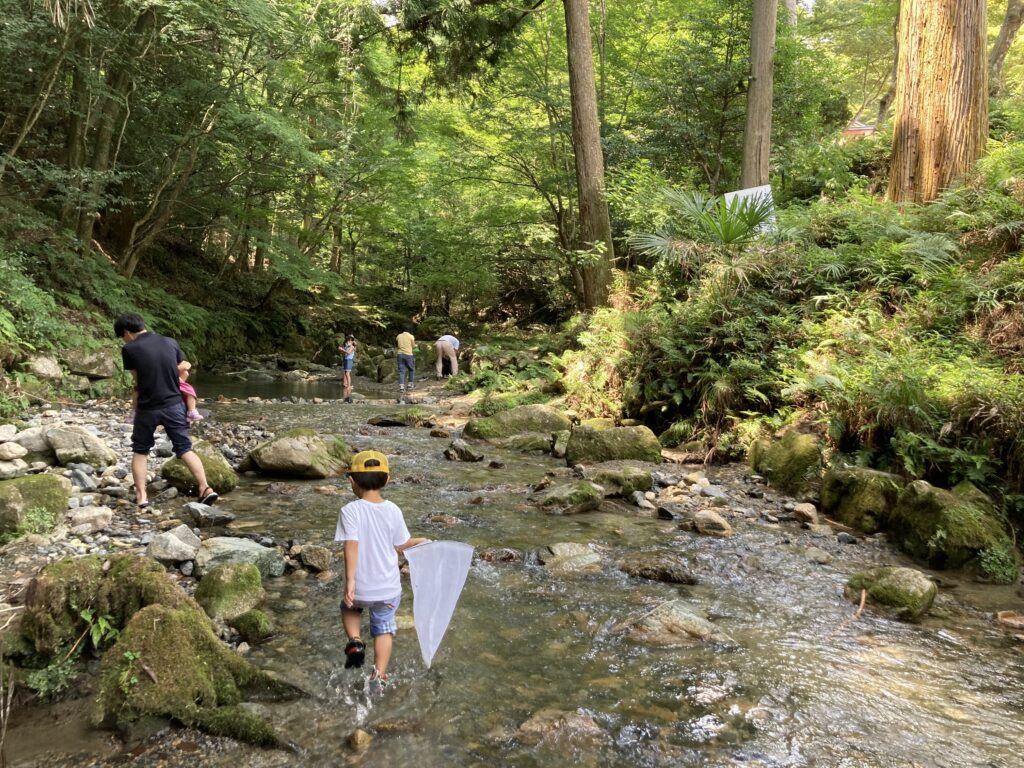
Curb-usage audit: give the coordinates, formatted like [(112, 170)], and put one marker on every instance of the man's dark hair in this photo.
[(130, 322), (408, 328), (370, 481)]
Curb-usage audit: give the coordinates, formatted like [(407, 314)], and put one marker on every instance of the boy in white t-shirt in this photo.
[(374, 532)]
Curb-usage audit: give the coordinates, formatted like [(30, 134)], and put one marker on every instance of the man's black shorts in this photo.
[(172, 418)]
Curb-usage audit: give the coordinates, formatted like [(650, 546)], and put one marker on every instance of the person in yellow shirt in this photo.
[(406, 357)]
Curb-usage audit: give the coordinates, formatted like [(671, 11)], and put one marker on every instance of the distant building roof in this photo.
[(857, 128)]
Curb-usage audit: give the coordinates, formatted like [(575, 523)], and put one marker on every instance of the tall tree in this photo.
[(1007, 34), (941, 96), (757, 136), (595, 224), (791, 12)]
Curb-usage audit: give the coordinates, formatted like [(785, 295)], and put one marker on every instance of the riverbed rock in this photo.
[(709, 523), (560, 441), (859, 497), (228, 591), (579, 496), (620, 478), (569, 558), (657, 566), (226, 550), (527, 442), (952, 529), (206, 516), (551, 724), (460, 450), (407, 417), (254, 626), (316, 558), (177, 545), (34, 441), (806, 512), (90, 519), (599, 424), (76, 445), (219, 474), (516, 421), (791, 462), (590, 446), (301, 453), (20, 495), (901, 592), (10, 451), (12, 469), (674, 623), (7, 432)]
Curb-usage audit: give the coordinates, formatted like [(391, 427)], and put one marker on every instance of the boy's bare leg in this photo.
[(382, 645), (351, 621)]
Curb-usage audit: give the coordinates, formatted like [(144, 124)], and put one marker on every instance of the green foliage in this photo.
[(52, 680)]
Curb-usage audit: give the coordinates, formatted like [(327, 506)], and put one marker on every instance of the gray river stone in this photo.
[(206, 516), (10, 451), (91, 519), (460, 450), (76, 445), (225, 550), (7, 432), (657, 566), (175, 546)]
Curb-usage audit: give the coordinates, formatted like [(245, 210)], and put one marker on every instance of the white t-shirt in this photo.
[(378, 528), (451, 340)]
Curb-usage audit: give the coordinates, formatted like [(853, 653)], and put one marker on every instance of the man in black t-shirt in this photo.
[(153, 361)]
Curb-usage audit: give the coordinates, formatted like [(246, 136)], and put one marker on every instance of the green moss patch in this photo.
[(516, 421), (254, 626), (791, 463), (43, 497), (902, 592), (861, 498), (587, 445), (219, 474), (228, 591)]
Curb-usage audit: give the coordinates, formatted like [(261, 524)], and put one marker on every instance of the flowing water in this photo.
[(801, 686)]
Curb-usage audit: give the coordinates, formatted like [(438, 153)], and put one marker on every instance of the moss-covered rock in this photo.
[(56, 598), (228, 591), (517, 421), (528, 442), (413, 416), (254, 626), (219, 474), (598, 424), (620, 478), (791, 463), (951, 529), (579, 496), (588, 445), (73, 444), (860, 498), (300, 453), (901, 592), (657, 566), (167, 662), (20, 495)]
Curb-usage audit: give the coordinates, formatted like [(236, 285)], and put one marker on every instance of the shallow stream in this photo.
[(802, 686)]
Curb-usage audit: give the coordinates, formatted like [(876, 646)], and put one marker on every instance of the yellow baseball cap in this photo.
[(358, 463)]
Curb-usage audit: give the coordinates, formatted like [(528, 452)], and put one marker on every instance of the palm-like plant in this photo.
[(711, 235)]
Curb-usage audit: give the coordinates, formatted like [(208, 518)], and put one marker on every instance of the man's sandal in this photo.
[(355, 652), (208, 497)]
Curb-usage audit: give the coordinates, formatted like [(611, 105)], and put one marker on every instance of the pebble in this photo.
[(846, 538), (187, 568)]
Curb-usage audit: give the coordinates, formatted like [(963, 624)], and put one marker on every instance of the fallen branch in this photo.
[(859, 612)]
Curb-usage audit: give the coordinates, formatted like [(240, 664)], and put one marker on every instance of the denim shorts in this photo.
[(382, 614), (349, 362), (172, 418)]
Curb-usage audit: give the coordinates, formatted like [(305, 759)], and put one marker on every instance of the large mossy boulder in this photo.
[(620, 478), (228, 591), (516, 421), (301, 453), (98, 364), (901, 592), (574, 497), (44, 497), (73, 444), (528, 442), (791, 463), (219, 474), (953, 529), (167, 662), (860, 498), (55, 599), (254, 626), (593, 446)]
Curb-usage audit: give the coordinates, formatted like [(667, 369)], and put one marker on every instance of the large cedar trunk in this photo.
[(941, 96), (757, 137), (595, 225), (1007, 33)]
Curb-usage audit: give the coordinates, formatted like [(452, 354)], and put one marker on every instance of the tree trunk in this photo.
[(757, 137), (885, 103), (1007, 33), (595, 224), (941, 96), (790, 12)]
